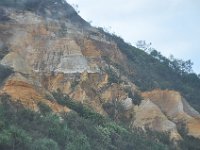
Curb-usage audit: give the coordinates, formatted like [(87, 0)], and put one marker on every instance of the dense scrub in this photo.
[(4, 72), (22, 129), (81, 129)]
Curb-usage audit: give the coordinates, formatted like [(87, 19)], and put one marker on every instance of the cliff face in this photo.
[(50, 51)]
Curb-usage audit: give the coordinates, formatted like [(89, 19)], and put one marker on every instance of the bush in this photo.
[(60, 98), (81, 109), (44, 108), (4, 72), (75, 130), (45, 144), (137, 98), (4, 50), (112, 76), (14, 138), (74, 84), (80, 143), (32, 5)]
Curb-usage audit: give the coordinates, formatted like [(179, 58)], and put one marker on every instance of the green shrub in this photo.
[(44, 144), (75, 130), (81, 142), (44, 108), (3, 50), (4, 72), (80, 108), (137, 98), (14, 138), (60, 98), (74, 84), (112, 76)]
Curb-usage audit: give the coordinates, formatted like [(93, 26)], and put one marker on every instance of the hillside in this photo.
[(61, 77)]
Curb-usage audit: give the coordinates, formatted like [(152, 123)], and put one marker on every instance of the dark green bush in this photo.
[(112, 76), (74, 84), (81, 109), (28, 130), (3, 50), (44, 108), (44, 144), (4, 72), (14, 138)]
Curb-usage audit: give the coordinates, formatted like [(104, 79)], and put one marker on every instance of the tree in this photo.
[(181, 66), (76, 7), (14, 138), (188, 66), (141, 44)]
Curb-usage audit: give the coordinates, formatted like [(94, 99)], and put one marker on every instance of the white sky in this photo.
[(172, 26)]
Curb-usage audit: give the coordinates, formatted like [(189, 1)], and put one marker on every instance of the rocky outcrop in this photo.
[(47, 45), (175, 107), (149, 116), (21, 90)]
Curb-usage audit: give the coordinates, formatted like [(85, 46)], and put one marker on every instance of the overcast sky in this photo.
[(172, 26)]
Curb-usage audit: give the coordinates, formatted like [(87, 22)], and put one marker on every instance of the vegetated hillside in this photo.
[(157, 74), (70, 83), (23, 129), (154, 71)]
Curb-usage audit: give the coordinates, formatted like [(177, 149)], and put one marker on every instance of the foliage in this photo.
[(74, 84), (153, 71), (15, 138), (136, 97), (112, 76), (44, 108), (7, 2), (141, 44), (4, 49), (81, 109), (83, 143), (180, 66), (114, 109), (13, 3), (189, 143), (4, 72), (44, 144), (23, 129), (32, 5)]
